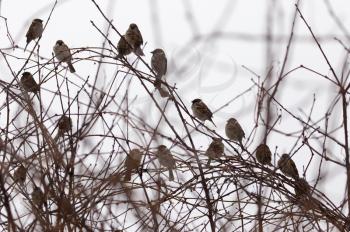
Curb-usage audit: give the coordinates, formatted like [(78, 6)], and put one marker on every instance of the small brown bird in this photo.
[(65, 206), (28, 83), (64, 124), (234, 130), (301, 187), (163, 92), (134, 38), (38, 197), (166, 159), (263, 154), (287, 166), (159, 62), (35, 31), (123, 48), (215, 149), (201, 111), (63, 54), (20, 174), (132, 162)]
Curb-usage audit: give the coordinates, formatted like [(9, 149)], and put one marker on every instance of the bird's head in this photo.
[(26, 74), (232, 120), (133, 26), (162, 147), (38, 21), (157, 51), (285, 157), (197, 100), (59, 42)]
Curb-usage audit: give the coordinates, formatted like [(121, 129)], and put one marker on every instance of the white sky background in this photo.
[(209, 68)]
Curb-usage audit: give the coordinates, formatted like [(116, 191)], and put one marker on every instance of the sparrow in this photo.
[(163, 92), (287, 166), (301, 187), (134, 38), (166, 159), (234, 131), (64, 124), (201, 111), (215, 149), (28, 83), (123, 47), (20, 174), (38, 197), (65, 206), (159, 62), (62, 53), (263, 154), (132, 162), (35, 31)]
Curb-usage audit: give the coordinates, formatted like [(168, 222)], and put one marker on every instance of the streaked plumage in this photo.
[(201, 111), (287, 166), (234, 130)]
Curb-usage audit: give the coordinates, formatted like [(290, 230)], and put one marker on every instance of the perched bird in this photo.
[(20, 174), (166, 159), (163, 92), (287, 166), (215, 149), (301, 187), (38, 197), (159, 62), (263, 154), (234, 131), (201, 111), (64, 124), (123, 47), (29, 83), (62, 53), (134, 38), (35, 31), (132, 162), (65, 206)]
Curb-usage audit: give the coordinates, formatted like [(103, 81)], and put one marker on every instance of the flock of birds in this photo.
[(128, 43)]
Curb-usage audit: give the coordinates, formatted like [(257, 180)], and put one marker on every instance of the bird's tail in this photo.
[(59, 134), (127, 176), (212, 122), (25, 48), (119, 56), (208, 163), (70, 66), (171, 174), (138, 51)]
